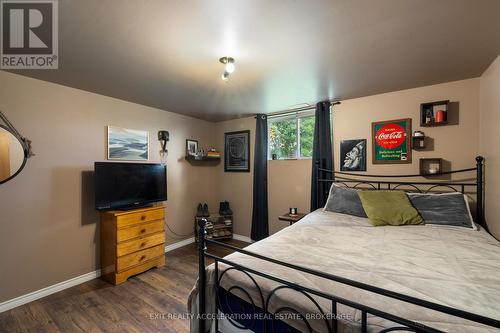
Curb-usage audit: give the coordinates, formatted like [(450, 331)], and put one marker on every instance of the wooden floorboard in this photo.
[(140, 305)]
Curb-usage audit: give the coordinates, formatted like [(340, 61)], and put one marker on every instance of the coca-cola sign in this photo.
[(391, 141), (390, 136)]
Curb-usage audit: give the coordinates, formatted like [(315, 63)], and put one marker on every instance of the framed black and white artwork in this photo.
[(353, 155), (237, 151), (191, 147)]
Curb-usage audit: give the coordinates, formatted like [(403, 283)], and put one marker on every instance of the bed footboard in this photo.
[(272, 321)]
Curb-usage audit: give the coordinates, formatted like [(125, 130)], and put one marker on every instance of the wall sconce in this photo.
[(163, 137)]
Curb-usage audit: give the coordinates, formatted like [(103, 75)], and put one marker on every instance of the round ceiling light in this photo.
[(229, 67)]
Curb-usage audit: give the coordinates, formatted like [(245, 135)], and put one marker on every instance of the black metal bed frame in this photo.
[(330, 318)]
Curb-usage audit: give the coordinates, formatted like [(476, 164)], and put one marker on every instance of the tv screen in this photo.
[(129, 185)]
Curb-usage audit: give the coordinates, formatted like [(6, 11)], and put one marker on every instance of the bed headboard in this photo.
[(471, 183)]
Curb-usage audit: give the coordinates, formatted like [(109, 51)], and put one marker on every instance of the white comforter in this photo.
[(453, 266)]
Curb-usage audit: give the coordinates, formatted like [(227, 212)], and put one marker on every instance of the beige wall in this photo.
[(288, 183), (457, 144), (48, 223), (489, 138), (289, 180), (236, 187)]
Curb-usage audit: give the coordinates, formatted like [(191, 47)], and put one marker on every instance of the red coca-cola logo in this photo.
[(390, 136)]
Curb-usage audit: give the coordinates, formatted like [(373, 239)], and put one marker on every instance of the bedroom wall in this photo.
[(236, 187), (289, 180), (489, 137), (288, 183), (457, 144), (48, 227)]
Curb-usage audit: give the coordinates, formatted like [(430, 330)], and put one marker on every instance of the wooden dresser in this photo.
[(132, 242)]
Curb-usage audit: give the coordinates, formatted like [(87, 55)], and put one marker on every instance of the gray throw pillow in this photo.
[(344, 200), (444, 209)]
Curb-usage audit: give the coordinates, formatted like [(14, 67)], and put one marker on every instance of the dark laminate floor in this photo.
[(142, 304)]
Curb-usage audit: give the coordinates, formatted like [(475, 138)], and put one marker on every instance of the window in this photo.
[(291, 136)]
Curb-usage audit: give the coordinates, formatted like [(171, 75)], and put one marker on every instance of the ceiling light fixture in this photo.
[(228, 68)]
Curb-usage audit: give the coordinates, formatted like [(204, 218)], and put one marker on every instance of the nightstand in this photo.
[(291, 218)]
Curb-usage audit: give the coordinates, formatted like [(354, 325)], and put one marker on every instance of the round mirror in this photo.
[(12, 155)]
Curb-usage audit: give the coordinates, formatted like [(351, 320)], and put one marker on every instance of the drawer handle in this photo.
[(143, 244), (142, 258), (143, 217), (143, 231)]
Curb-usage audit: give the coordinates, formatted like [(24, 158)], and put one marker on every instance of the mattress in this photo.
[(452, 266)]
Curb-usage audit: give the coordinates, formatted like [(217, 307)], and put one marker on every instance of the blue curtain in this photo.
[(260, 215), (322, 154)]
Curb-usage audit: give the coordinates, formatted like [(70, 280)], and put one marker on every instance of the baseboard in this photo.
[(33, 296), (242, 238), (177, 245)]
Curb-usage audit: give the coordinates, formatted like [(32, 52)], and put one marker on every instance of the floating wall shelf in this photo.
[(434, 114), (203, 159)]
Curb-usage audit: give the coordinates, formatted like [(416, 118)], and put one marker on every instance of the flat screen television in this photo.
[(129, 185)]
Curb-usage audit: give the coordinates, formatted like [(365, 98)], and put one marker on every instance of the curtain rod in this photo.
[(304, 108)]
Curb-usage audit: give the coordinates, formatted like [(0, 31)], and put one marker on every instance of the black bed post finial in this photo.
[(202, 274), (480, 191)]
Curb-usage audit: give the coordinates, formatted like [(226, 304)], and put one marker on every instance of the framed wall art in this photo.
[(191, 147), (353, 155), (127, 144), (237, 151), (391, 141)]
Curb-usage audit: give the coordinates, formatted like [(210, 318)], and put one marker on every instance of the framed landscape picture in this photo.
[(127, 144), (391, 141), (353, 155), (237, 151)]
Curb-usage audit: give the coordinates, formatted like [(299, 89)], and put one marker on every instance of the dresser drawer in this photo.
[(140, 244), (126, 220), (139, 230), (140, 257)]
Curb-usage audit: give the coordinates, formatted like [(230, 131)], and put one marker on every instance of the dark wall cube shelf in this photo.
[(434, 113), (427, 164), (418, 142)]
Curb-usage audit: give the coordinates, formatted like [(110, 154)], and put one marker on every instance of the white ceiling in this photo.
[(165, 53)]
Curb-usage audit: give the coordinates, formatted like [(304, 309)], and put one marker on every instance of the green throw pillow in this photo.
[(389, 208)]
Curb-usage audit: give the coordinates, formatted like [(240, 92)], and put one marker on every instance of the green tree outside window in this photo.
[(291, 137)]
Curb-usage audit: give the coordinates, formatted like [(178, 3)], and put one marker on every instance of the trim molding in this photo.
[(242, 238), (177, 245), (33, 296)]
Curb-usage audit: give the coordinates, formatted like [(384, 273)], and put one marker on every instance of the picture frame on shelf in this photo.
[(191, 147)]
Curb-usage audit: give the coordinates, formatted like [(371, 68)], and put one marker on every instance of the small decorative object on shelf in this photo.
[(434, 113), (213, 153), (431, 166), (200, 155), (418, 140), (293, 211)]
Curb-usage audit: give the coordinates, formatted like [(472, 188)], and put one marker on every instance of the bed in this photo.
[(334, 272)]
